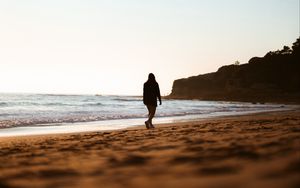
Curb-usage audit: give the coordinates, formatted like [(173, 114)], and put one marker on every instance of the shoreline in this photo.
[(141, 126), (157, 126), (246, 100), (94, 126), (54, 111)]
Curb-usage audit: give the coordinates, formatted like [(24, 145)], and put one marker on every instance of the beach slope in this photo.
[(260, 150)]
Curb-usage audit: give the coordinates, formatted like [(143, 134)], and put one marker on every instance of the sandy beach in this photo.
[(259, 150)]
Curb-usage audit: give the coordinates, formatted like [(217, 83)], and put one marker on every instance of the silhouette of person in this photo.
[(150, 94)]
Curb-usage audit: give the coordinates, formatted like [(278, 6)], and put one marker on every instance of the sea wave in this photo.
[(67, 119), (59, 95), (88, 116), (94, 104), (3, 103), (126, 100), (30, 110)]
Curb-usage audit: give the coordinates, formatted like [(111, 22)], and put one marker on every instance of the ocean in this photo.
[(28, 114)]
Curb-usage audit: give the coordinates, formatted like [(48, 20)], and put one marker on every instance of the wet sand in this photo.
[(260, 150)]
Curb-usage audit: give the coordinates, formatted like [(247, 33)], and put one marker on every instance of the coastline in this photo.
[(121, 124), (256, 150), (140, 126)]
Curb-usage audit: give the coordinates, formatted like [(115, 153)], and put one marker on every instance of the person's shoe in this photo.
[(151, 126), (147, 124)]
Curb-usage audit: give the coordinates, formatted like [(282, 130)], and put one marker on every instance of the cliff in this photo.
[(272, 78)]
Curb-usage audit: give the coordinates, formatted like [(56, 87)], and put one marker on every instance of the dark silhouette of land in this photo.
[(272, 78)]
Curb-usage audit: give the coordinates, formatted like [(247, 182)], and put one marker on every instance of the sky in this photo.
[(110, 46)]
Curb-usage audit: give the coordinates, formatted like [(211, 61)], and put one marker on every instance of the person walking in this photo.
[(150, 94)]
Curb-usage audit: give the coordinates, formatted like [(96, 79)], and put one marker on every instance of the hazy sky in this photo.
[(110, 46)]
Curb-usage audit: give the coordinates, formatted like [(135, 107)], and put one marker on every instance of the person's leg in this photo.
[(147, 123), (148, 107), (152, 110)]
